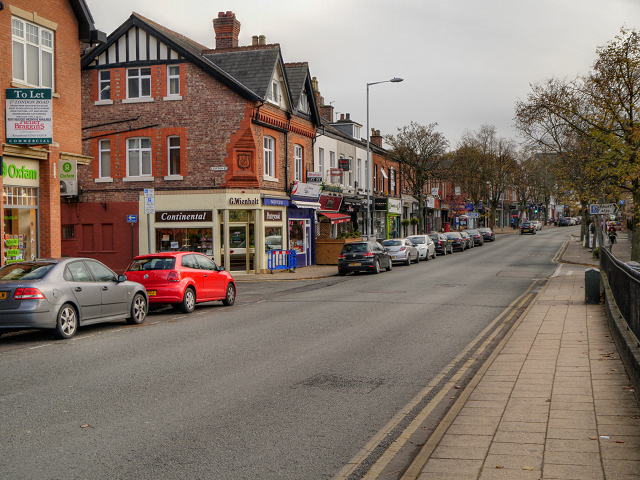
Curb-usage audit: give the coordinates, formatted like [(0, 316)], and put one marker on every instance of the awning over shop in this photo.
[(302, 204), (336, 217)]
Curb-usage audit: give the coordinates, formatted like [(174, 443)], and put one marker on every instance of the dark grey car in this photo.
[(65, 293), (367, 256)]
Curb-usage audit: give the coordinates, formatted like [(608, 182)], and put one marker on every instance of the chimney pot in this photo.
[(342, 116), (262, 40), (227, 30), (348, 116), (254, 40)]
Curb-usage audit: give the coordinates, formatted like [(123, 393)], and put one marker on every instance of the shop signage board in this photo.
[(306, 190), (330, 202), (344, 164), (473, 215), (380, 204), (335, 172), (29, 116), (273, 215), (276, 202), (68, 176), (602, 209), (185, 216), (21, 172), (434, 191), (395, 206), (314, 177), (431, 202)]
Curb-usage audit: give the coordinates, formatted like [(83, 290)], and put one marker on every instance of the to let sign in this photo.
[(29, 114)]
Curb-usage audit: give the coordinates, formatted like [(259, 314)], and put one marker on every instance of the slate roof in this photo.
[(297, 76), (253, 68)]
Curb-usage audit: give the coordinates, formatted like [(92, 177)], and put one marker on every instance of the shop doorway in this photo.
[(241, 236)]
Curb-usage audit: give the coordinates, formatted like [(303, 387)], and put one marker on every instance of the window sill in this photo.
[(15, 84), (138, 100), (172, 98), (103, 102), (174, 177), (267, 178), (104, 180), (138, 179)]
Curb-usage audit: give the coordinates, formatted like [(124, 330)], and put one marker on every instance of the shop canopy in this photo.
[(336, 217), (303, 204)]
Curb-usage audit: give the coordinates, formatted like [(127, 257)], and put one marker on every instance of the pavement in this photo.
[(553, 401)]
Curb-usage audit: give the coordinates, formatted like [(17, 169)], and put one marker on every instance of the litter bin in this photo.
[(592, 286)]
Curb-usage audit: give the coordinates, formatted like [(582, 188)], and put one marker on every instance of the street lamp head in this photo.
[(396, 80)]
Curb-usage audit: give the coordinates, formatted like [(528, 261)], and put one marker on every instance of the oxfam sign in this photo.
[(20, 172)]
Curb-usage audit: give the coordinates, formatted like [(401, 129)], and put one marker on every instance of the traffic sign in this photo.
[(602, 208), (149, 201), (473, 215), (132, 218)]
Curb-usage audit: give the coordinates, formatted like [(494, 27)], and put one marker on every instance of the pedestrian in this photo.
[(613, 236)]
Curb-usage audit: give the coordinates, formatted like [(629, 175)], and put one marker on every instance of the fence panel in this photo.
[(625, 287)]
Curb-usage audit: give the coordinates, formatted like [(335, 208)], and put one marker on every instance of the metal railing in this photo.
[(625, 287)]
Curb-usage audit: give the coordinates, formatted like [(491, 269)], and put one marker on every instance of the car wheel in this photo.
[(434, 254), (230, 299), (389, 266), (188, 304), (376, 267), (67, 322), (427, 257), (444, 250), (417, 258), (342, 272), (138, 310), (408, 261)]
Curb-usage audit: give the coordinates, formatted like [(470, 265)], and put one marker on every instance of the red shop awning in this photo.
[(336, 217)]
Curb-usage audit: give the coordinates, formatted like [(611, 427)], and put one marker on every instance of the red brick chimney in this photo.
[(227, 30), (375, 137)]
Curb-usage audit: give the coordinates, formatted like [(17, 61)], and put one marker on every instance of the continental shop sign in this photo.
[(186, 216), (20, 172)]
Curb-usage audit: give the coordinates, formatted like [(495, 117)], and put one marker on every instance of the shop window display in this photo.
[(185, 239), (20, 240), (273, 238), (296, 236)]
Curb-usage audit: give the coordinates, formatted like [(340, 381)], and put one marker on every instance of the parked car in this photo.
[(442, 243), (476, 236), (467, 237), (424, 244), (182, 279), (63, 294), (458, 242), (537, 224), (368, 256), (488, 234), (401, 250), (527, 227), (563, 222)]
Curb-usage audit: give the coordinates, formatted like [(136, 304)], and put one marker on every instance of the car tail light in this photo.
[(342, 257), (402, 249), (368, 255), (28, 294), (173, 276)]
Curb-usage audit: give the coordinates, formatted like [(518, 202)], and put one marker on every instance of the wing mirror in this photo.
[(122, 278)]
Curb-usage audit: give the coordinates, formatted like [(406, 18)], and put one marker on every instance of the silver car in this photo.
[(401, 250), (65, 293), (424, 244)]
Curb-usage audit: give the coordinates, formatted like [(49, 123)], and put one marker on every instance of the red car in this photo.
[(182, 279)]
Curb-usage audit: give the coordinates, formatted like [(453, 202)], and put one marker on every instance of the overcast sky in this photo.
[(464, 62)]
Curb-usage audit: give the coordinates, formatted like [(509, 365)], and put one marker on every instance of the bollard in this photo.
[(592, 286)]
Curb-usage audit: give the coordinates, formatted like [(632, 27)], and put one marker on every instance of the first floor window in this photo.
[(332, 159), (105, 84), (359, 174), (173, 74), (104, 147), (269, 157), (321, 163), (138, 157), (174, 155), (139, 82), (32, 48), (297, 163)]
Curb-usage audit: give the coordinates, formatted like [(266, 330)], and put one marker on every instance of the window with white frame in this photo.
[(104, 154), (104, 80), (332, 159), (173, 155), (350, 173), (138, 157), (274, 92), (321, 163), (173, 80), (297, 163), (32, 53), (139, 82), (359, 174), (269, 157), (303, 104)]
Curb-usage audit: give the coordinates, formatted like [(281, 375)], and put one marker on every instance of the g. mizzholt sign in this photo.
[(29, 116)]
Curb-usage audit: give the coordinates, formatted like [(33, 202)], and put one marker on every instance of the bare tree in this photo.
[(420, 151)]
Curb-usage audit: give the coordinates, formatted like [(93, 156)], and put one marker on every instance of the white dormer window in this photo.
[(274, 92), (303, 104)]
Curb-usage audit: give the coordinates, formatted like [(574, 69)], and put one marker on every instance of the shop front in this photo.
[(301, 221), (394, 210), (379, 214), (352, 206), (20, 199), (235, 229)]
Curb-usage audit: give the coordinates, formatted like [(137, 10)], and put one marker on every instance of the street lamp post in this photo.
[(368, 163)]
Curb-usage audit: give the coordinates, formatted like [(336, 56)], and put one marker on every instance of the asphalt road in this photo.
[(290, 383)]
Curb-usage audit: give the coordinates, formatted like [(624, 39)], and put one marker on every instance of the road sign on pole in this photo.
[(149, 201), (602, 209)]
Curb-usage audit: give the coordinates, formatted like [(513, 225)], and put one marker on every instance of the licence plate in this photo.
[(3, 295), (151, 293), (393, 257), (356, 264)]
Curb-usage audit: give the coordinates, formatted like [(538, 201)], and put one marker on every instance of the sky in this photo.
[(465, 63)]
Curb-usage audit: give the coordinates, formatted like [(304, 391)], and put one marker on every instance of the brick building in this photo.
[(220, 135), (40, 44)]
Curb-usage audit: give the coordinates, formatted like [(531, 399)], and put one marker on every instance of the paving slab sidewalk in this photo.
[(555, 402)]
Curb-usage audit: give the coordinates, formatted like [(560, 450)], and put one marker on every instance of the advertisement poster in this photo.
[(29, 113)]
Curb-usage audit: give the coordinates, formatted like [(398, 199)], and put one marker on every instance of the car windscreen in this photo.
[(393, 243), (452, 235), (473, 232), (418, 239), (25, 271), (355, 248), (156, 263), (434, 236)]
